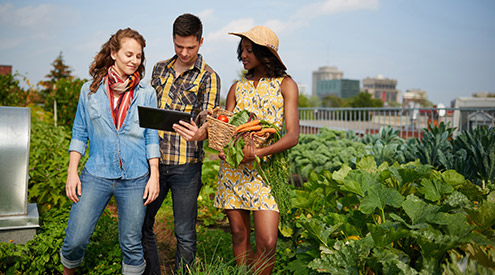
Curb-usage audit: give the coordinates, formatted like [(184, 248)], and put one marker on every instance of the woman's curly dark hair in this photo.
[(270, 62), (103, 60)]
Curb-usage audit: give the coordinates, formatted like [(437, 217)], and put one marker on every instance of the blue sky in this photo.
[(446, 47)]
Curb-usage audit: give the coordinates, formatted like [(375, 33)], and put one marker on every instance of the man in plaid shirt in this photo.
[(183, 83)]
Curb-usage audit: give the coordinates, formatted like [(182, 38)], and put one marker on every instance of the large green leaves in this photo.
[(419, 211), (434, 189), (387, 233), (397, 219), (379, 196)]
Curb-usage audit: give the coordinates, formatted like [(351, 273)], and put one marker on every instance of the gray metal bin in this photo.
[(18, 219)]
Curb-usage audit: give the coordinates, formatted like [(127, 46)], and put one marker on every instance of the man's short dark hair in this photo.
[(187, 25)]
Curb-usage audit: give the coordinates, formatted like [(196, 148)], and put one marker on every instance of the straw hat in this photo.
[(262, 36)]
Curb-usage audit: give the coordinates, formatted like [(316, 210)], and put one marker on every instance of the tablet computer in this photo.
[(160, 119)]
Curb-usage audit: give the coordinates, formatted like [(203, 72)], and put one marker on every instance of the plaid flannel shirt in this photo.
[(195, 90)]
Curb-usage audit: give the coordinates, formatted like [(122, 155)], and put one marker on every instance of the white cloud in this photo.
[(327, 7), (297, 20), (239, 25), (206, 15), (9, 43), (39, 23), (92, 43), (34, 17)]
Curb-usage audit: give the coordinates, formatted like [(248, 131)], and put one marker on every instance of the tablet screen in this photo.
[(160, 119)]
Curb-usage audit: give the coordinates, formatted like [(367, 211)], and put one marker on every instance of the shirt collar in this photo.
[(199, 64)]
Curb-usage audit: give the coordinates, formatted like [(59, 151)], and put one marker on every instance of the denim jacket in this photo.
[(134, 145)]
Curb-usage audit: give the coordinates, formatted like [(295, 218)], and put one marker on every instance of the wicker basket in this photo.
[(259, 141), (219, 132)]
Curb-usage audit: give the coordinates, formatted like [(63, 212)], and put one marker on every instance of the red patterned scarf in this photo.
[(124, 89)]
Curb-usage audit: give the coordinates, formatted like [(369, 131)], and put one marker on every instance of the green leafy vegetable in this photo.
[(240, 118)]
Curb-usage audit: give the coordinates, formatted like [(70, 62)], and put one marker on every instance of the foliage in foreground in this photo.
[(103, 254), (48, 161), (398, 219), (41, 254)]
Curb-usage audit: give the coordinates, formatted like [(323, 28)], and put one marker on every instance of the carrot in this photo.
[(250, 128), (247, 124), (267, 130)]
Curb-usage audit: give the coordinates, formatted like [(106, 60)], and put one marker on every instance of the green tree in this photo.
[(59, 71), (61, 92), (11, 93), (314, 101), (364, 99), (332, 101), (66, 91), (303, 101)]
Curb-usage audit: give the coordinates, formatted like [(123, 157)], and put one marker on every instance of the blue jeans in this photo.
[(96, 192), (185, 183)]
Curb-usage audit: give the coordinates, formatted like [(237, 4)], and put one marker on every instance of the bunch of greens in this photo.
[(273, 169), (240, 118), (275, 172)]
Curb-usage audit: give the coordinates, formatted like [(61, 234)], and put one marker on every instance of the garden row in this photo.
[(371, 205), (383, 205)]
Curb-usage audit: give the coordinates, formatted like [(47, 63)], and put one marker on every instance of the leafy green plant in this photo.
[(387, 219), (66, 92), (435, 147), (207, 213), (41, 254), (12, 94), (458, 264), (477, 148), (48, 162), (326, 151), (386, 146)]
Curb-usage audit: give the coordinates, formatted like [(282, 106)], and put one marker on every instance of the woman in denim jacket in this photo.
[(123, 157)]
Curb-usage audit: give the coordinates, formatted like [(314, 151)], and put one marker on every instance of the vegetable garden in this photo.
[(359, 205)]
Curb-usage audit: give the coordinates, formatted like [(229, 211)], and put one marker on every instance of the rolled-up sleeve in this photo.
[(79, 139)]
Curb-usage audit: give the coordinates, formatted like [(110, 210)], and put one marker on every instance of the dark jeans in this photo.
[(185, 183)]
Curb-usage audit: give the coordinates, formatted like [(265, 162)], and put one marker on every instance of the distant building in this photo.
[(382, 88), (476, 118), (415, 96), (483, 94), (343, 88), (303, 89), (5, 69), (325, 73)]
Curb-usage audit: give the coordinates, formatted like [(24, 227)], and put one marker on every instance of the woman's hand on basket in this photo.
[(190, 131)]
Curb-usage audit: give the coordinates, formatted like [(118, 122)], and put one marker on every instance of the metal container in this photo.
[(15, 130), (18, 219)]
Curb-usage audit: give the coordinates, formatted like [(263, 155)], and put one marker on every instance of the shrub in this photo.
[(66, 92), (12, 94), (41, 254), (48, 161)]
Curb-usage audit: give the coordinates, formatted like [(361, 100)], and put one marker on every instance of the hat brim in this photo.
[(254, 40)]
